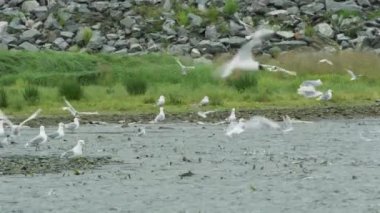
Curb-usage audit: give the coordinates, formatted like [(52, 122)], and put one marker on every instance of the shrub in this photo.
[(212, 14), (182, 18), (71, 89), (243, 81), (135, 85), (3, 98), (31, 94), (309, 30), (230, 7)]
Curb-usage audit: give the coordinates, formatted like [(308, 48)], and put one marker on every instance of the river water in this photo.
[(326, 166)]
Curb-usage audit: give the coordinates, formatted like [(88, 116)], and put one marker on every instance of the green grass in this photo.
[(230, 7), (102, 80)]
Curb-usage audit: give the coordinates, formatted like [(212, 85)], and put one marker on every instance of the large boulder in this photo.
[(334, 6), (28, 46), (29, 6), (324, 30), (30, 35)]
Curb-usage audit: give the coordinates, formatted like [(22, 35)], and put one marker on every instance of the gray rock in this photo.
[(179, 49), (195, 20), (96, 41), (61, 43), (211, 47), (51, 22), (30, 35), (282, 3), (345, 44), (15, 26), (108, 49), (287, 45), (121, 43), (167, 27), (2, 2), (233, 41), (112, 36), (3, 27), (100, 6), (324, 30), (125, 5), (28, 46), (128, 22), (285, 34), (349, 23), (235, 28), (167, 5), (312, 8), (8, 39), (332, 5), (135, 47), (211, 33), (29, 6), (67, 34), (341, 37), (364, 3)]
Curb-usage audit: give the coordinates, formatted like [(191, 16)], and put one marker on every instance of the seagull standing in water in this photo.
[(256, 122), (160, 116), (59, 133), (38, 140), (76, 151), (160, 101), (243, 60), (204, 101), (232, 117), (73, 125), (184, 69)]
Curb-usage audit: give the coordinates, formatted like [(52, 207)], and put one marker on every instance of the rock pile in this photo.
[(189, 27)]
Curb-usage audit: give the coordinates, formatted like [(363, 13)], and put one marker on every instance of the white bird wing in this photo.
[(71, 109), (5, 119), (326, 61), (179, 63), (257, 122), (351, 73), (33, 116), (88, 113)]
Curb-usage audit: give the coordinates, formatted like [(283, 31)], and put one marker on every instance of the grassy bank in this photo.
[(104, 78)]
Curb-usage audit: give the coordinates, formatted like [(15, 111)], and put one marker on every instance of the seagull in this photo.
[(160, 101), (160, 116), (15, 129), (141, 131), (232, 117), (73, 125), (256, 122), (243, 60), (309, 92), (38, 140), (204, 114), (326, 61), (314, 83), (287, 124), (76, 151), (59, 133), (353, 75), (184, 69), (326, 96), (272, 68), (204, 101), (74, 112)]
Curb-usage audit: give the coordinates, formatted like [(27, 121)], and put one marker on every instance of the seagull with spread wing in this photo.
[(74, 112), (184, 69)]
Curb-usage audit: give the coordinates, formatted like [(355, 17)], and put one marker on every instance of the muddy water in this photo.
[(321, 167)]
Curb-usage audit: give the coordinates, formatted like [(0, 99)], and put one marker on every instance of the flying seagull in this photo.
[(76, 151), (243, 60), (15, 129), (184, 69), (326, 61), (272, 68), (309, 92), (74, 112), (353, 75), (204, 114)]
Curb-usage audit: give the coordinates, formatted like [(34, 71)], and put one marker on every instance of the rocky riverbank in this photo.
[(193, 27)]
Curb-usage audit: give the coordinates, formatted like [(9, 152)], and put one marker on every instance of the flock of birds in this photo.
[(243, 61), (12, 137)]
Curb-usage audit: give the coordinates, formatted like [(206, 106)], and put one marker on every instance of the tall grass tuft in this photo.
[(182, 18), (3, 98), (230, 7), (31, 94), (243, 81), (71, 90), (135, 85)]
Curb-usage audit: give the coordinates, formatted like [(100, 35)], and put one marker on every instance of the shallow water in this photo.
[(321, 167)]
